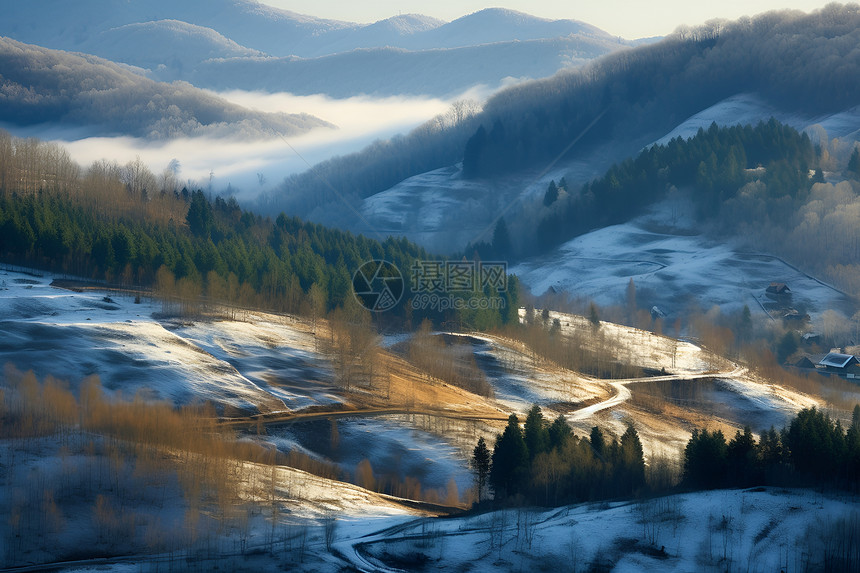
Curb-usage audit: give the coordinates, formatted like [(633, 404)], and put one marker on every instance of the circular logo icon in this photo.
[(378, 285)]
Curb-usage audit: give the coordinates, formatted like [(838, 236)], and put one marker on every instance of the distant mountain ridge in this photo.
[(206, 42), (394, 71), (276, 32)]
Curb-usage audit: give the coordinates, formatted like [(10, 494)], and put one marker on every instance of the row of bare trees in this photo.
[(123, 464), (448, 359), (28, 165), (576, 347)]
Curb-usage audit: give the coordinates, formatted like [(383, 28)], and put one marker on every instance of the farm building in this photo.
[(845, 365), (809, 361), (838, 361), (778, 289)]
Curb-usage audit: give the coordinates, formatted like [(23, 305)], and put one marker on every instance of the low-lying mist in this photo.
[(245, 168)]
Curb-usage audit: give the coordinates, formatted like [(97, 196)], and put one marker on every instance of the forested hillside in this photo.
[(764, 183), (98, 97), (715, 163), (350, 178), (794, 61), (123, 225), (546, 463)]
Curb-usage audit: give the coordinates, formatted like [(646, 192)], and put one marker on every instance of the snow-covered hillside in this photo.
[(263, 365), (302, 521), (443, 212), (743, 109), (674, 267), (754, 530)]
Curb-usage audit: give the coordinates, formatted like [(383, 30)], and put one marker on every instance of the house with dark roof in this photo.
[(778, 289), (838, 363), (809, 361)]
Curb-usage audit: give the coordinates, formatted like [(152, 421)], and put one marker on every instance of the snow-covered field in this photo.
[(745, 109), (519, 382), (443, 212), (395, 448), (673, 265), (761, 530), (676, 269), (266, 363)]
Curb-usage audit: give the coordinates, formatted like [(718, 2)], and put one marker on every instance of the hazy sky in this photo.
[(626, 18)]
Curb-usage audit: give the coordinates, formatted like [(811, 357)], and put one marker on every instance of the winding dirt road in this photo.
[(622, 394)]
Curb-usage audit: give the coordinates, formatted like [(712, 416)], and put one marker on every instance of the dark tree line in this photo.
[(279, 260), (715, 163), (813, 450), (96, 225), (546, 463)]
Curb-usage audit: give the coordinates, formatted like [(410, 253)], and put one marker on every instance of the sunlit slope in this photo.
[(260, 366)]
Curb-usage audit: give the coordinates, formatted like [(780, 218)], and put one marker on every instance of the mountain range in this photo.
[(270, 30), (242, 44)]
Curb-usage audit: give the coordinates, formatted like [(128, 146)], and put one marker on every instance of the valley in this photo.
[(272, 383), (489, 292)]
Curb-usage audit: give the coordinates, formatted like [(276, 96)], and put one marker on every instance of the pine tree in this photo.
[(501, 240), (551, 194), (745, 324), (598, 444), (199, 217), (593, 316), (510, 465), (632, 468), (705, 459), (481, 464), (559, 433), (770, 455), (535, 432), (631, 302), (741, 458)]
